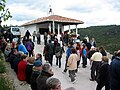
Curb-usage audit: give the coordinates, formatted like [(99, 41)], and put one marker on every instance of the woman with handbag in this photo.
[(58, 54)]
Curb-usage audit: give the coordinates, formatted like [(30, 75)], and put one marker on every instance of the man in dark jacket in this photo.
[(45, 74), (115, 73), (37, 68), (27, 34), (103, 76), (50, 51)]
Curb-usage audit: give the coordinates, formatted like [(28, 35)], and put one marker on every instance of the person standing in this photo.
[(27, 34), (96, 62), (58, 54), (84, 56), (103, 75), (45, 38), (72, 64), (34, 35), (22, 48), (68, 52), (38, 38), (115, 72), (50, 51), (30, 47)]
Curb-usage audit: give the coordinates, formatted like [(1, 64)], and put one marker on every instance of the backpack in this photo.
[(29, 46)]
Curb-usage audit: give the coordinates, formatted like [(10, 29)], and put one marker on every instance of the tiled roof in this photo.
[(56, 18)]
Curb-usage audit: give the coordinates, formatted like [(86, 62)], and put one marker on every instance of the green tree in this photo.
[(4, 12)]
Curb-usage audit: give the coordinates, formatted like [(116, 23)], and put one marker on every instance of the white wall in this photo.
[(31, 29)]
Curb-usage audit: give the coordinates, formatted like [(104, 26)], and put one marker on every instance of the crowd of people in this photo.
[(30, 68)]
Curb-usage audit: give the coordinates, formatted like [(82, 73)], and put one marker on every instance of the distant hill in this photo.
[(106, 36)]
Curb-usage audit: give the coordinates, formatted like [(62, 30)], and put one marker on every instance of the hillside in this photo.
[(106, 36)]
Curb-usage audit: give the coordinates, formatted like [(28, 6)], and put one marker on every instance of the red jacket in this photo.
[(21, 70)]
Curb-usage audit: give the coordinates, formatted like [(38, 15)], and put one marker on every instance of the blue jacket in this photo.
[(68, 52), (22, 48), (115, 74)]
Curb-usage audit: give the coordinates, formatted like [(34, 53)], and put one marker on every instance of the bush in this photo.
[(4, 84), (2, 67)]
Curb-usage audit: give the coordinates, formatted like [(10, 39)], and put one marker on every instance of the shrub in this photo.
[(2, 67), (5, 84)]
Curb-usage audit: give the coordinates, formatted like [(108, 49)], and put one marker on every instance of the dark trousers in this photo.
[(33, 38), (72, 75), (30, 53), (50, 58), (58, 59), (38, 40), (78, 63), (102, 84), (84, 61), (65, 70), (95, 69)]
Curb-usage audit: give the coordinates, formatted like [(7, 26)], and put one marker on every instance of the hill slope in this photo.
[(106, 36)]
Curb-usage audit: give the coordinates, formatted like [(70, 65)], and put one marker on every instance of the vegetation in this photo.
[(106, 36), (4, 83), (4, 12)]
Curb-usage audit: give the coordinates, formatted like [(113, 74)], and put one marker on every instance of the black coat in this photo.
[(33, 78), (115, 74), (41, 80), (103, 75), (28, 72)]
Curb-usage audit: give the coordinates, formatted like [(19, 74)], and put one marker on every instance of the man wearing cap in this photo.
[(115, 73), (37, 68)]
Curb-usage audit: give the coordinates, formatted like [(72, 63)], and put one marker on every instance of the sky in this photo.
[(91, 12)]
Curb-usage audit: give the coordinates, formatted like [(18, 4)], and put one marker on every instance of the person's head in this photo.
[(118, 53), (38, 56), (18, 43), (47, 68), (101, 49), (105, 59), (53, 83), (24, 56), (38, 65), (15, 51), (73, 50), (92, 48), (31, 60)]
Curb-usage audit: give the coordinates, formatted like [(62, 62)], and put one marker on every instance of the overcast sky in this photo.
[(92, 12)]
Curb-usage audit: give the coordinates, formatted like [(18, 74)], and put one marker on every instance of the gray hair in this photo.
[(46, 67), (53, 83)]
